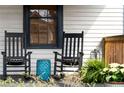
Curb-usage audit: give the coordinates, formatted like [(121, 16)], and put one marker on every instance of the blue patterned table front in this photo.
[(43, 69)]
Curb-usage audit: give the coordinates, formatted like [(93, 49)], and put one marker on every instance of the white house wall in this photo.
[(95, 21)]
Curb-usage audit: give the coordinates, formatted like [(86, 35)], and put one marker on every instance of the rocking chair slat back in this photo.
[(72, 44), (78, 44), (14, 44)]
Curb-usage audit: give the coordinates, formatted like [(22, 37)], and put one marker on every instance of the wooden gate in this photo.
[(113, 49)]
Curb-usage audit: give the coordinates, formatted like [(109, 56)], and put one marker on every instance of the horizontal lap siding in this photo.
[(96, 21)]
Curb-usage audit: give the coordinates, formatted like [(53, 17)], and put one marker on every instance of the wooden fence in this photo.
[(113, 49)]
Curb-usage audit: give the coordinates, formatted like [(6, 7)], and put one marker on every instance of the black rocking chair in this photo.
[(72, 53), (15, 54)]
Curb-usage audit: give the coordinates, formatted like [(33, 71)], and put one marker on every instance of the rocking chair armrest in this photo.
[(81, 53), (3, 53), (28, 53), (57, 53)]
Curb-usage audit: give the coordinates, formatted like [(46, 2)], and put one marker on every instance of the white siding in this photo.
[(96, 21)]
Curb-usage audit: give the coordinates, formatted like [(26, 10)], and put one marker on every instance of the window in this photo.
[(43, 26)]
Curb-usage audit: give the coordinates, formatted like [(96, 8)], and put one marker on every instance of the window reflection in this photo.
[(43, 31), (42, 13), (43, 26)]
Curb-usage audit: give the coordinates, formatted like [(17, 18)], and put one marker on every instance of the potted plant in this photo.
[(114, 75), (91, 73)]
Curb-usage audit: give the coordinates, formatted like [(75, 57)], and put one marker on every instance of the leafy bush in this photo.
[(91, 72), (114, 72)]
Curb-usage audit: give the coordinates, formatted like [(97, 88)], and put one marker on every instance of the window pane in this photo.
[(43, 30), (51, 31), (38, 13), (51, 13), (38, 31), (34, 33), (34, 13), (42, 13)]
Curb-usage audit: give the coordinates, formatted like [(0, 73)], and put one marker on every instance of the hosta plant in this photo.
[(114, 72)]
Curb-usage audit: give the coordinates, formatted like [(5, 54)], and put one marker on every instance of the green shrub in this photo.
[(114, 72), (91, 72)]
